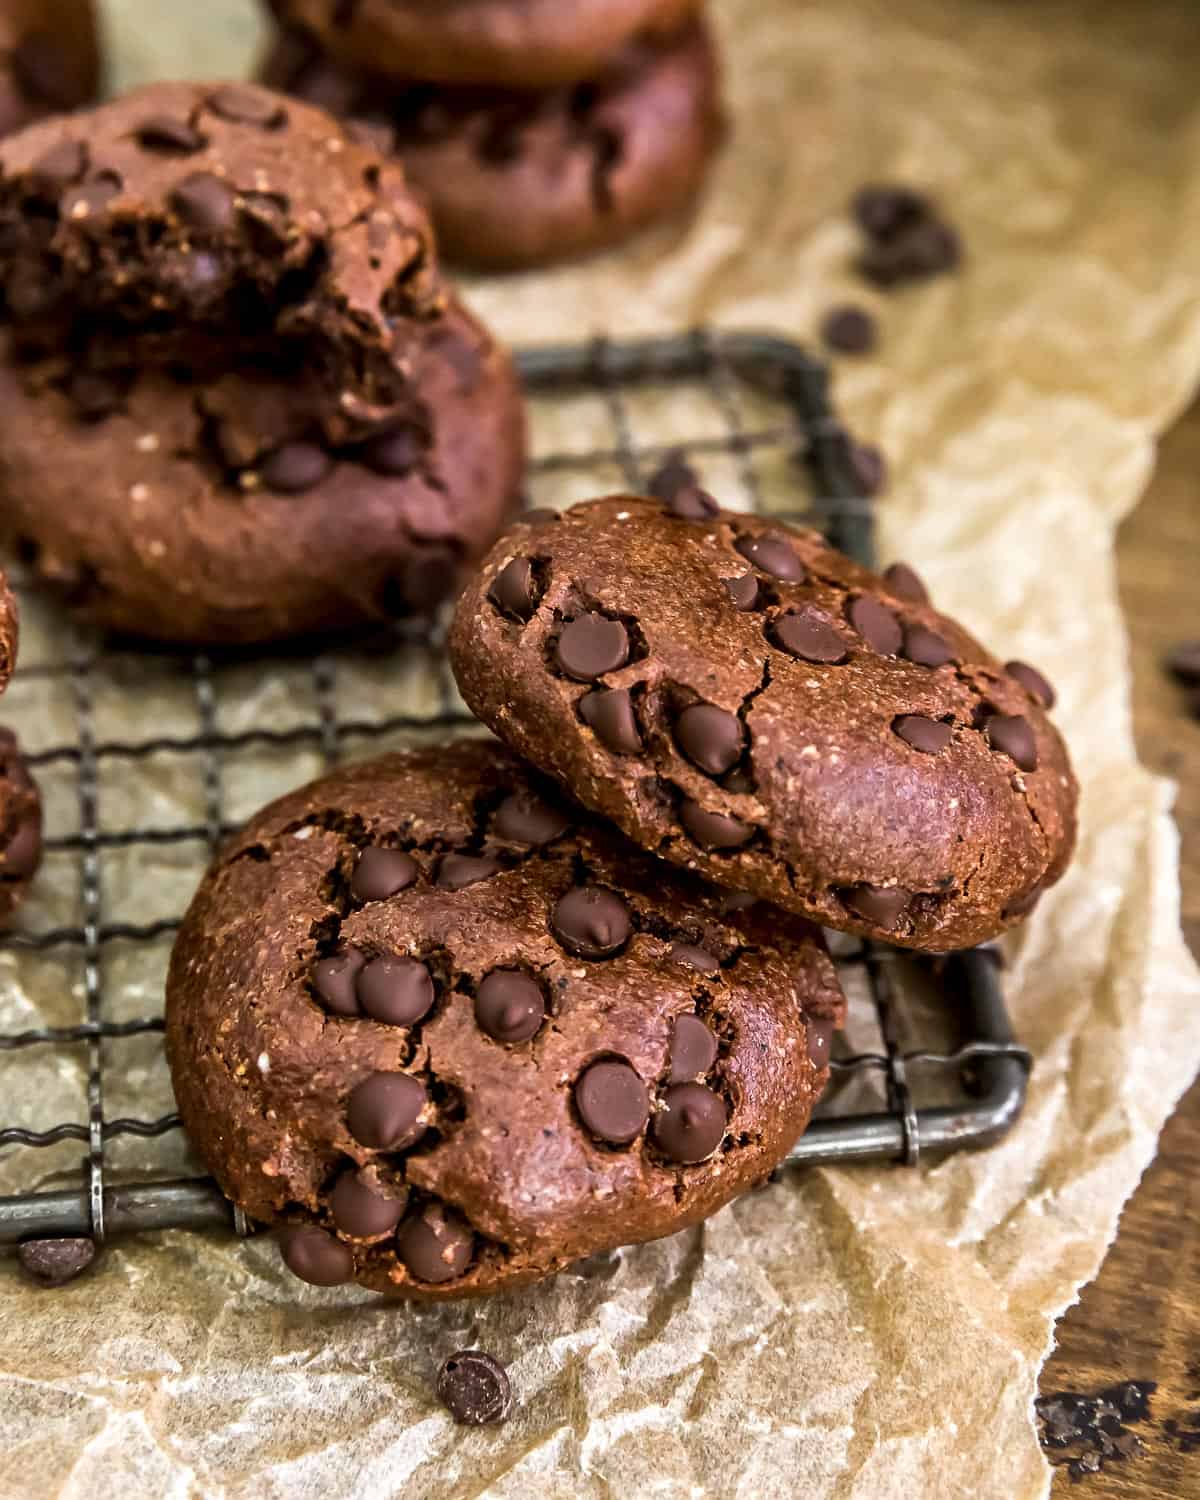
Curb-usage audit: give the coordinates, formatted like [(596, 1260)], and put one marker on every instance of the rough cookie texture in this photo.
[(20, 826), (215, 511), (524, 44), (742, 699), (457, 1035), (49, 59), (514, 180), (184, 215)]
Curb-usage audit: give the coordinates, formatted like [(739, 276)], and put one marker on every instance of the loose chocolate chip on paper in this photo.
[(395, 991), (926, 647), (809, 636), (877, 625), (1033, 681), (335, 981), (525, 818), (612, 1102), (869, 468), (381, 873), (710, 737), (457, 871), (691, 1124), (883, 906), (930, 736), (591, 645), (361, 1210), (882, 210), (474, 1388), (849, 330), (743, 591), (1012, 734), (514, 590), (713, 830), (673, 475), (247, 107), (509, 1006), (55, 1262), (699, 959), (316, 1257), (905, 583), (820, 1039), (591, 922), (384, 1111), (205, 201), (167, 133), (295, 468), (693, 1049), (436, 1244), (772, 553), (608, 713)]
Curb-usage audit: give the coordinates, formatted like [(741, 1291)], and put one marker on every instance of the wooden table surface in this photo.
[(1140, 1320)]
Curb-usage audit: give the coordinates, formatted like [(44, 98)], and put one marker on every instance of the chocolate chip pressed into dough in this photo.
[(829, 743), (609, 1055)]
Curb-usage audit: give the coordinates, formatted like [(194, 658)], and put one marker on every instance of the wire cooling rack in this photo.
[(146, 759)]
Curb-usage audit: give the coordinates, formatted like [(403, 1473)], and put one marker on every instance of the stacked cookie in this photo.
[(49, 59), (459, 1018), (20, 802), (239, 402), (535, 131)]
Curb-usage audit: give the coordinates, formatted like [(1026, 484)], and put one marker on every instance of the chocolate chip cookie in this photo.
[(20, 825), (742, 699), (192, 508), (455, 1034), (523, 44), (183, 217), (49, 59), (10, 620), (523, 179)]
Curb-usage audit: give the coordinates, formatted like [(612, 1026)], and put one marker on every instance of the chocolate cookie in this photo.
[(49, 59), (522, 44), (457, 1035), (162, 504), (742, 699), (20, 826), (523, 179), (10, 623), (186, 216)]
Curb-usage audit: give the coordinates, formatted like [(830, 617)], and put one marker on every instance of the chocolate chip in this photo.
[(40, 62), (608, 713), (296, 467), (381, 873), (905, 583), (360, 1209), (166, 133), (693, 1049), (883, 210), (1012, 735), (248, 107), (820, 1039), (710, 737), (205, 201), (58, 168), (849, 330), (612, 1102), (92, 196), (394, 453), (868, 467), (713, 830), (930, 736), (316, 1257), (591, 922), (743, 591), (673, 475), (1033, 681), (509, 1006), (93, 396), (810, 636), (699, 959), (457, 871), (396, 991), (691, 1124), (515, 590), (55, 1262), (925, 248), (882, 906), (877, 625), (384, 1111), (925, 647), (677, 485), (436, 1244), (591, 645), (334, 980), (474, 1388), (772, 553), (525, 818)]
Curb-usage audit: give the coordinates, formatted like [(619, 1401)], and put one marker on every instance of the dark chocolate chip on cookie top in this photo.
[(741, 698)]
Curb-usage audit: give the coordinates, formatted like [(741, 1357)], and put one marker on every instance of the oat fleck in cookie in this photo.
[(454, 1034), (743, 700)]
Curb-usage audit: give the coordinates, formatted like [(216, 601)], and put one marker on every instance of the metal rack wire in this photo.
[(930, 1065)]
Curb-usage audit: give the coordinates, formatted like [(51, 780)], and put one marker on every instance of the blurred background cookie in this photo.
[(49, 59)]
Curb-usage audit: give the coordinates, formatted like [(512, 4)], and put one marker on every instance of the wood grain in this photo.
[(1140, 1319)]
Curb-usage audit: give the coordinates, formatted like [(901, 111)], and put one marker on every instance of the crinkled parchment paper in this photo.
[(858, 1333)]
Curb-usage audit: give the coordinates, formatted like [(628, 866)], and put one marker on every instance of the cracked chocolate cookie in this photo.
[(20, 826), (742, 699), (455, 1034), (49, 59), (167, 505), (514, 180), (522, 44), (186, 219)]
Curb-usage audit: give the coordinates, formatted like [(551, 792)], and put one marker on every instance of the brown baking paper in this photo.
[(861, 1333)]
